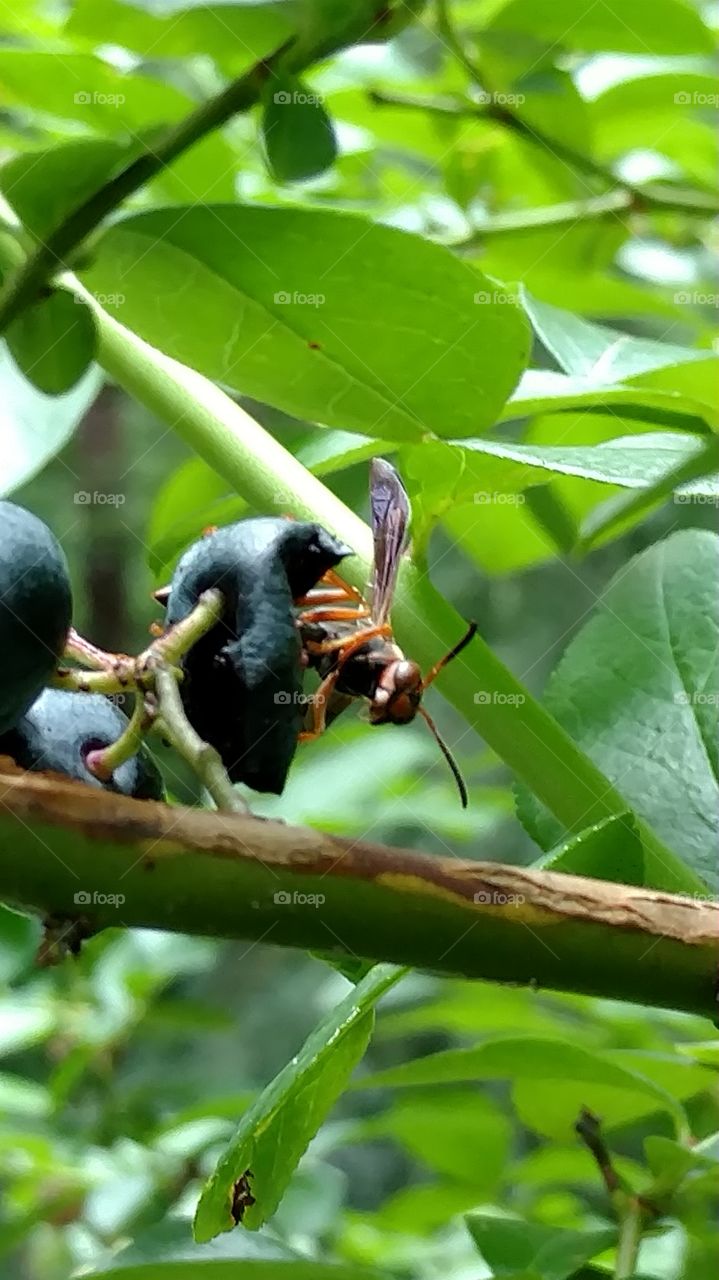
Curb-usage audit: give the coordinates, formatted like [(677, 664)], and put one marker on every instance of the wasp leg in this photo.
[(348, 647), (331, 595), (319, 704), (333, 579), (328, 614)]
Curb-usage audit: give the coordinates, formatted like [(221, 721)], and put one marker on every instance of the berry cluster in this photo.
[(50, 729), (240, 669)]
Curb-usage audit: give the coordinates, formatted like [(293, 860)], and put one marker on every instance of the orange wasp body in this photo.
[(350, 642)]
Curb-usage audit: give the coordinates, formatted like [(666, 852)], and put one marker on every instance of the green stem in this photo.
[(626, 196), (494, 703), (630, 1238), (106, 760), (220, 874), (87, 654), (175, 642)]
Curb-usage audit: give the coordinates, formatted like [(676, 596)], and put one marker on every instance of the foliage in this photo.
[(475, 238)]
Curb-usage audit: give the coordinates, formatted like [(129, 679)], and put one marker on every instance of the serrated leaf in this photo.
[(638, 689), (512, 1244), (275, 1132), (610, 850)]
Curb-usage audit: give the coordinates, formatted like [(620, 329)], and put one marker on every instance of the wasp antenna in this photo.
[(461, 786), (432, 674)]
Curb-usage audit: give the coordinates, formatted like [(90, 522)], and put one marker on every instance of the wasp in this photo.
[(349, 641)]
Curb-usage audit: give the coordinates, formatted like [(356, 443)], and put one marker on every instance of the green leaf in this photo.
[(297, 131), (510, 1244), (445, 1133), (43, 185), (53, 342), (484, 469), (610, 850), (554, 1066), (79, 93), (544, 391), (33, 426), (665, 26), (648, 658), (166, 1252), (193, 498), (276, 1130), (235, 35), (698, 467), (322, 314), (606, 356)]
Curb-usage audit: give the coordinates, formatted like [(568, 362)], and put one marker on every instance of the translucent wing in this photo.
[(390, 519)]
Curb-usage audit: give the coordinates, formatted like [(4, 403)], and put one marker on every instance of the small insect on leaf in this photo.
[(242, 1197)]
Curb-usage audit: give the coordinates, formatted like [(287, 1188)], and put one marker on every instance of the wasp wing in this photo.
[(390, 511)]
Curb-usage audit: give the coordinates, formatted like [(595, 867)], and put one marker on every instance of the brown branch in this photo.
[(68, 851)]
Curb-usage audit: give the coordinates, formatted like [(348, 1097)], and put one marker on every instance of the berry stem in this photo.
[(173, 724), (106, 760)]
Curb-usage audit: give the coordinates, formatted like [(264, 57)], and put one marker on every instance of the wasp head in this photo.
[(398, 693)]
